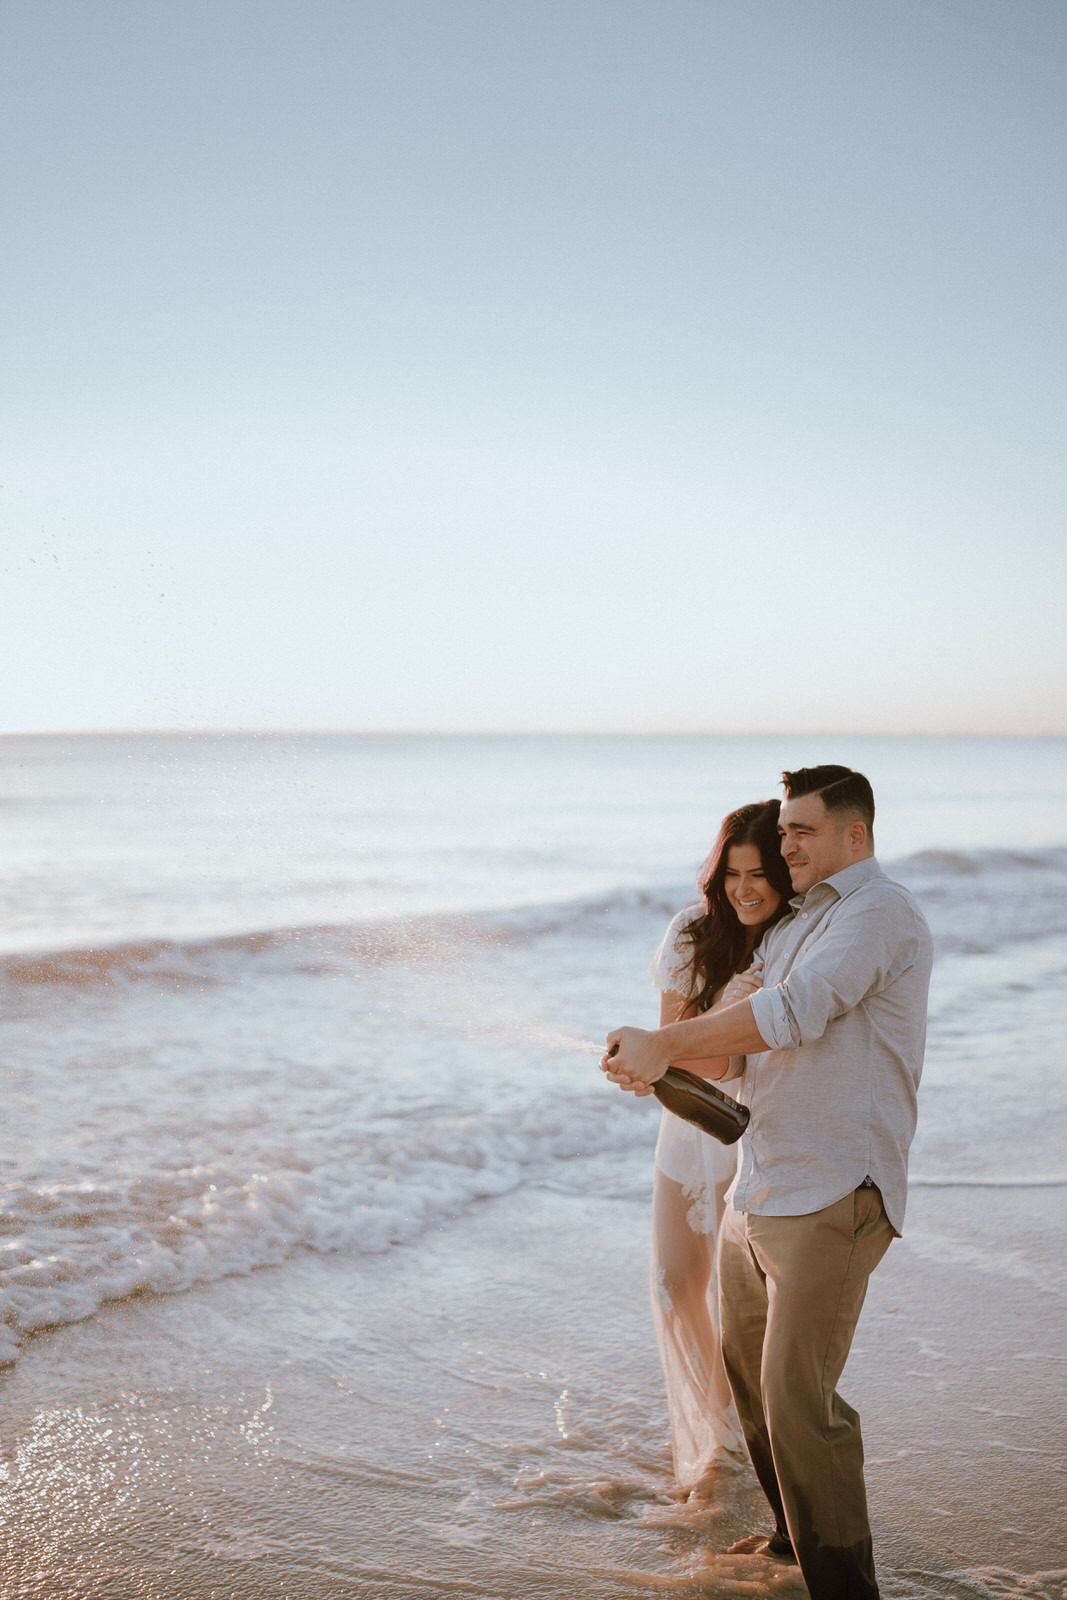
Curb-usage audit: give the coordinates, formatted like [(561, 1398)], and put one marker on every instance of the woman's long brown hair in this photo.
[(719, 941)]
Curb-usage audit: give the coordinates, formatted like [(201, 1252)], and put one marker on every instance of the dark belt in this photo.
[(868, 1183)]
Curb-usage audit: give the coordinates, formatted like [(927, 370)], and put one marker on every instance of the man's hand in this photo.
[(634, 1059)]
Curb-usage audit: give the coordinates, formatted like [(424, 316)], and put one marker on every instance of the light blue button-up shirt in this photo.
[(843, 1008)]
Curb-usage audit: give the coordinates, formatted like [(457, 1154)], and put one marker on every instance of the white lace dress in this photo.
[(692, 1174)]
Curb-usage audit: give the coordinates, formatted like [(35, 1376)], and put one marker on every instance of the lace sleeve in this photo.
[(669, 964)]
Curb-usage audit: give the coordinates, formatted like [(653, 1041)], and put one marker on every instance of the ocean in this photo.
[(306, 1156)]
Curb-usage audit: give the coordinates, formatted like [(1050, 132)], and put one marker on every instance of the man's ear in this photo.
[(857, 835)]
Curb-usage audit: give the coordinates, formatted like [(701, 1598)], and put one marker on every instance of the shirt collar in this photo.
[(843, 882)]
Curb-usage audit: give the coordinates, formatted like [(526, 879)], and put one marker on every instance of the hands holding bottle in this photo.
[(636, 1058)]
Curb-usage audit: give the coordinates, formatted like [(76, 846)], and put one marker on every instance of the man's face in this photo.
[(815, 843)]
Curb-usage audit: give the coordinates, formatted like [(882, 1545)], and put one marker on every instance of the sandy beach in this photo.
[(482, 1416)]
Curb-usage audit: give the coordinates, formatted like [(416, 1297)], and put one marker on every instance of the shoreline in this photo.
[(480, 1413)]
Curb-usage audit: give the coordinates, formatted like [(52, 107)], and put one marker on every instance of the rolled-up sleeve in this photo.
[(859, 951), (772, 1019)]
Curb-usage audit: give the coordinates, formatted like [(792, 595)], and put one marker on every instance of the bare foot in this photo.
[(710, 1486), (777, 1546)]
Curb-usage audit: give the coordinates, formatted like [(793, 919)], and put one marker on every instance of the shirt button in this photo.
[(803, 916)]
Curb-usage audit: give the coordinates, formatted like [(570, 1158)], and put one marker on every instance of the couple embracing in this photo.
[(801, 978)]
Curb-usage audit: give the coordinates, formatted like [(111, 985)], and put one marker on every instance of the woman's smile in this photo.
[(747, 889)]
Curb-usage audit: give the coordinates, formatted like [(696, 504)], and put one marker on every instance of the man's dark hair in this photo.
[(844, 792)]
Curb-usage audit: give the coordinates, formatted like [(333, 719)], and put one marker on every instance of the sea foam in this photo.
[(187, 1110)]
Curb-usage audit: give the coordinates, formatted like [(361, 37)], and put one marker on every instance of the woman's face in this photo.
[(747, 889)]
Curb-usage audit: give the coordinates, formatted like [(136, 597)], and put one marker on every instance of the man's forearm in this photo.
[(730, 1031)]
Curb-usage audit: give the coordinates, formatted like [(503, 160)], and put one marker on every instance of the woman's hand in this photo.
[(742, 984)]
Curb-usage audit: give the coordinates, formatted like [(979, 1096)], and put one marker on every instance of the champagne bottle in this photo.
[(699, 1101)]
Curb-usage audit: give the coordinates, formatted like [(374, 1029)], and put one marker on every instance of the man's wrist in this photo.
[(662, 1049), (660, 1069), (669, 1045)]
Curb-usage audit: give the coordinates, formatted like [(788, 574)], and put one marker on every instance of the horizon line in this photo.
[(230, 732)]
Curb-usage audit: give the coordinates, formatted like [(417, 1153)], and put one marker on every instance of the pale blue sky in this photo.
[(616, 364)]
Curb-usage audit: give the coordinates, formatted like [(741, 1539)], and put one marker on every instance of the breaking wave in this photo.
[(976, 901), (208, 1138)]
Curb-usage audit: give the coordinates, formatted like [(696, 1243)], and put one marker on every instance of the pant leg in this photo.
[(816, 1270), (743, 1325)]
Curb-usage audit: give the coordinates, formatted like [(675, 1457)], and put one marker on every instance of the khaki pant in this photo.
[(791, 1290)]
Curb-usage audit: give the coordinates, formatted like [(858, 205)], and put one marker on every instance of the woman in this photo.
[(745, 888)]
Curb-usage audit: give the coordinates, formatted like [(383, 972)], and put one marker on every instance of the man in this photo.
[(834, 1044)]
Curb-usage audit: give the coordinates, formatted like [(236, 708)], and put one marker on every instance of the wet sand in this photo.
[(480, 1414)]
